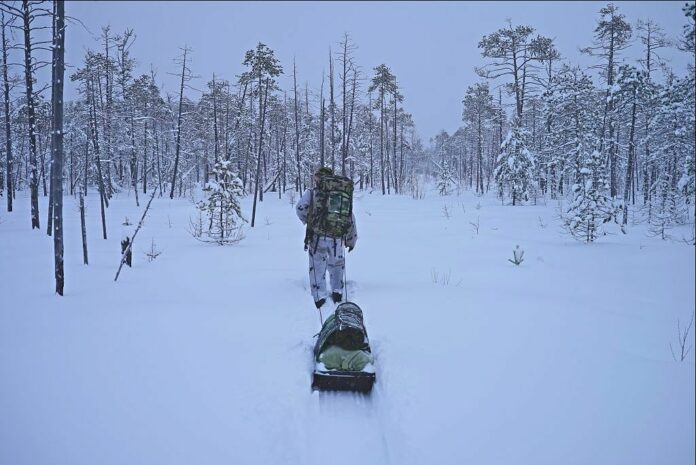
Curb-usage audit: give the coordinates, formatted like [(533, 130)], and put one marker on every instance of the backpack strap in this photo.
[(309, 233), (316, 243)]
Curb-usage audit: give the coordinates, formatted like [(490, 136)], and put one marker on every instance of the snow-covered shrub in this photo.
[(416, 185), (590, 207), (292, 197), (665, 209), (445, 179), (515, 165), (222, 207)]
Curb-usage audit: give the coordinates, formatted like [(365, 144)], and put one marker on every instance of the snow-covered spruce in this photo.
[(445, 178), (222, 207), (515, 165), (590, 207)]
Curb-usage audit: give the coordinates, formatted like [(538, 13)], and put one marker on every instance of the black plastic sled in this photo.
[(357, 381), (345, 329)]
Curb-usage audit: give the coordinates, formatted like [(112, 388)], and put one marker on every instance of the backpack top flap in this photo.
[(344, 328), (333, 206)]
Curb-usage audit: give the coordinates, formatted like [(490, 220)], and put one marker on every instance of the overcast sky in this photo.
[(430, 46)]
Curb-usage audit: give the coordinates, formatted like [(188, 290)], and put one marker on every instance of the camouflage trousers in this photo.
[(328, 255)]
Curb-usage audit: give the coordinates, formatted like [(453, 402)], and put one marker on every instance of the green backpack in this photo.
[(332, 207)]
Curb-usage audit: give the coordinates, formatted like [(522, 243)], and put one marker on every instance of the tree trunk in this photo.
[(57, 142), (387, 156), (86, 169), (71, 179), (609, 118), (31, 117), (516, 83), (343, 108), (134, 159), (42, 154), (395, 167), (298, 183), (84, 229), (178, 127), (145, 158), (381, 140), (249, 148), (262, 110), (215, 124), (129, 248), (103, 201), (401, 164), (332, 110), (630, 162), (479, 156), (8, 127), (97, 152), (369, 125), (158, 158), (109, 188), (284, 179), (350, 118), (321, 132), (49, 218), (321, 122)]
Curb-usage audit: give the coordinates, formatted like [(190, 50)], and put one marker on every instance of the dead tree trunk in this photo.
[(103, 201), (332, 110), (178, 126), (350, 118), (344, 146), (132, 239)]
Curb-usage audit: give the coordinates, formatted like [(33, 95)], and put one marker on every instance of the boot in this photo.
[(319, 303), (336, 297)]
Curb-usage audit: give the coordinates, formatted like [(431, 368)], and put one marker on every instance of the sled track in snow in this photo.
[(340, 427), (343, 427), (347, 428)]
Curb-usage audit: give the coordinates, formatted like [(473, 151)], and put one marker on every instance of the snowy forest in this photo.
[(616, 140), (605, 153)]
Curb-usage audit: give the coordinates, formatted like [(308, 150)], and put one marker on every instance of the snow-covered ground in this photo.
[(203, 356)]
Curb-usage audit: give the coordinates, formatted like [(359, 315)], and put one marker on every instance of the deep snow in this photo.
[(204, 354)]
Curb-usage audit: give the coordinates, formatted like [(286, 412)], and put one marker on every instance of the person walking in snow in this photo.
[(327, 210)]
